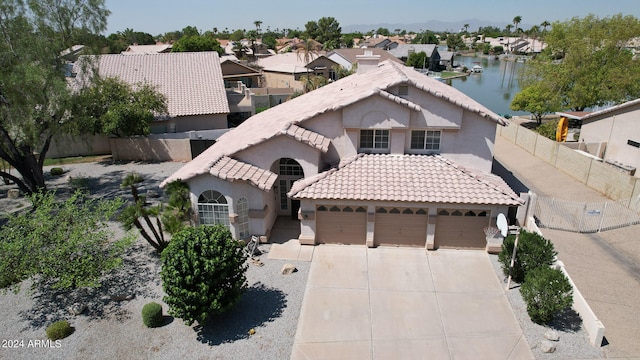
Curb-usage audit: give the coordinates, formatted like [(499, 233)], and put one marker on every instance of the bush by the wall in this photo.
[(203, 273), (59, 330), (533, 251), (546, 291), (152, 314), (56, 171)]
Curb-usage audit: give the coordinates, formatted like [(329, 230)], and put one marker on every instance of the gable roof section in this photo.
[(191, 81), (613, 109), (287, 62), (350, 54), (334, 96), (227, 168), (402, 50), (411, 178)]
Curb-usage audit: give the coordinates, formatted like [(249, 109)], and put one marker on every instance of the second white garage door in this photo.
[(341, 225), (400, 227)]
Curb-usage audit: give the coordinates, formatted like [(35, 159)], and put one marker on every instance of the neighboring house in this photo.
[(348, 57), (446, 59), (191, 81), (403, 52), (378, 42), (386, 156), (616, 130), (147, 49), (285, 70), (234, 71)]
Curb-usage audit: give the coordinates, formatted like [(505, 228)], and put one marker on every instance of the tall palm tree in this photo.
[(307, 50), (257, 23), (516, 21), (466, 28), (508, 27), (535, 29), (544, 25)]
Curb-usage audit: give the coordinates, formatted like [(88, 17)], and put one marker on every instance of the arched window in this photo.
[(290, 167), (243, 218), (213, 208)]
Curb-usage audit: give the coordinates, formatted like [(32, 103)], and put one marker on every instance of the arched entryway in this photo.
[(289, 171)]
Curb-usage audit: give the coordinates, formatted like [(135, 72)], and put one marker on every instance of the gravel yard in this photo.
[(111, 328)]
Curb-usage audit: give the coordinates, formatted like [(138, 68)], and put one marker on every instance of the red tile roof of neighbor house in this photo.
[(411, 178), (335, 96), (191, 81)]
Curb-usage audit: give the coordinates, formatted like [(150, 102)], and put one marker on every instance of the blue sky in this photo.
[(160, 16)]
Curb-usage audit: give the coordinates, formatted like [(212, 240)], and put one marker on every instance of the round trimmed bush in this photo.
[(533, 251), (203, 273), (546, 291), (59, 330), (56, 171), (152, 314)]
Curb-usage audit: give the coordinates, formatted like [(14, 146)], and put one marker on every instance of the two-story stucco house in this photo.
[(387, 156)]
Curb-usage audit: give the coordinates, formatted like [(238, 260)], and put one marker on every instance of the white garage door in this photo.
[(341, 225), (461, 229), (400, 227)]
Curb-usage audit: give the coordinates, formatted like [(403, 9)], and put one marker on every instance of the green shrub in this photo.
[(203, 273), (533, 251), (152, 315), (546, 291), (548, 129), (59, 330), (56, 171)]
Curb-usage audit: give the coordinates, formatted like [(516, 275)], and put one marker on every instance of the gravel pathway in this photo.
[(111, 329)]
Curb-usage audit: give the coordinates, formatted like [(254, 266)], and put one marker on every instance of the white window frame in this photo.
[(377, 139), (213, 208), (243, 218), (427, 140)]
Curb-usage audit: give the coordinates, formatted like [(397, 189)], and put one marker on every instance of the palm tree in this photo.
[(257, 23), (516, 21), (535, 29), (307, 50), (466, 28), (508, 27), (544, 25)]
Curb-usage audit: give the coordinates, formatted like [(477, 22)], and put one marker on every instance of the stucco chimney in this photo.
[(367, 62)]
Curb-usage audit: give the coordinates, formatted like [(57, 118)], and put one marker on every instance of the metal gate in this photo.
[(585, 217)]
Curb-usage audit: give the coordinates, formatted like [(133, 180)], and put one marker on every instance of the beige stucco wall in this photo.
[(83, 145), (145, 149), (282, 80), (615, 130)]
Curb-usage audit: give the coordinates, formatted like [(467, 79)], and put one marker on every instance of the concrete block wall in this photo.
[(613, 183), (573, 163), (144, 149), (84, 145), (599, 176)]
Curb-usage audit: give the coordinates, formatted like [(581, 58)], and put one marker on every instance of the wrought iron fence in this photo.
[(586, 217)]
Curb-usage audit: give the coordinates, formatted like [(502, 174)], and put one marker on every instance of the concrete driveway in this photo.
[(397, 303)]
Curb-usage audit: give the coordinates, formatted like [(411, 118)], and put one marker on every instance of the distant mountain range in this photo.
[(433, 25)]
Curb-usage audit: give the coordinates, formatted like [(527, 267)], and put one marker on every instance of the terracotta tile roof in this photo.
[(308, 137), (230, 169), (332, 97), (191, 81), (287, 62), (412, 178), (147, 49)]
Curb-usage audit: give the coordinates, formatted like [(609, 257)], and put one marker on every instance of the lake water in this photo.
[(495, 87)]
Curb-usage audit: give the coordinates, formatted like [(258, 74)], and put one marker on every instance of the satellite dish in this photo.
[(501, 222)]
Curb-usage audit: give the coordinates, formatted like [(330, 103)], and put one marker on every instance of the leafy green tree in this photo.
[(587, 62), (418, 60), (427, 37), (34, 97), (383, 31), (66, 244), (189, 31), (538, 100), (546, 292), (237, 35), (490, 31), (203, 273), (197, 43), (326, 31), (455, 42), (113, 107)]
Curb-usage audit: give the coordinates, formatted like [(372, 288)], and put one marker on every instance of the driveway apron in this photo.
[(400, 303)]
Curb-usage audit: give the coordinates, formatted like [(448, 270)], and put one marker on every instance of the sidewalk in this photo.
[(605, 266)]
